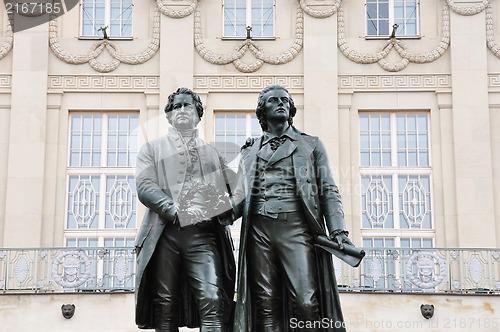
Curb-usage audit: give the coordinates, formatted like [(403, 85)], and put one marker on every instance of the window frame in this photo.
[(101, 233), (107, 22), (395, 171), (248, 22), (248, 129), (391, 23)]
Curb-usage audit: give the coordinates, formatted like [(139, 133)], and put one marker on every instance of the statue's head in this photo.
[(68, 310), (184, 109), (427, 310), (270, 93)]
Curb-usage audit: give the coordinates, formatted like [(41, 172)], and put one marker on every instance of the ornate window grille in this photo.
[(240, 14), (114, 15), (396, 186), (381, 15), (101, 192)]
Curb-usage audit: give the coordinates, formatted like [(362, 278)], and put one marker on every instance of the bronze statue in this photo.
[(289, 195), (185, 264)]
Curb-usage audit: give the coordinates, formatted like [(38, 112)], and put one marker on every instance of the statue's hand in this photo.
[(226, 218), (176, 221), (340, 236), (248, 142)]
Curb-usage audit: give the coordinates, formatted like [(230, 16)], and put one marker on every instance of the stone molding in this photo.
[(248, 83), (395, 82), (119, 83)]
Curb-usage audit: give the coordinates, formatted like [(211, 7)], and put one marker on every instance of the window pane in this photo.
[(411, 28), (364, 141), (99, 11), (375, 140), (383, 10), (377, 201), (383, 28), (363, 122), (371, 10), (399, 10), (414, 200), (372, 28), (83, 195), (120, 198)]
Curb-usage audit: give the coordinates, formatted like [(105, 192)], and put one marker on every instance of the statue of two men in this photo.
[(286, 195)]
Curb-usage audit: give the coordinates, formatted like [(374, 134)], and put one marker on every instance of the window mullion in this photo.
[(102, 202), (394, 162), (394, 141), (248, 125), (104, 140), (107, 14), (249, 13), (104, 160), (391, 15)]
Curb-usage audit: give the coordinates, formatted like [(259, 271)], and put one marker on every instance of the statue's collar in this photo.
[(290, 132), (184, 133)]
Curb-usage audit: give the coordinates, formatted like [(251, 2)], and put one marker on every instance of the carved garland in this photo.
[(112, 47), (490, 33), (9, 40), (176, 13), (320, 13), (241, 49), (468, 11)]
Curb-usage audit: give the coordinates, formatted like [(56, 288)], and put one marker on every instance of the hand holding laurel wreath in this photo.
[(201, 203)]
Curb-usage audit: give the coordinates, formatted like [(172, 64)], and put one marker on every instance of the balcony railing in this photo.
[(61, 270), (433, 270)]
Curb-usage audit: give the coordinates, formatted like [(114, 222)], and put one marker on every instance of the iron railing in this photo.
[(62, 270), (430, 270)]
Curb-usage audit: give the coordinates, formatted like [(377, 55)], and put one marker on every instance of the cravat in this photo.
[(276, 142)]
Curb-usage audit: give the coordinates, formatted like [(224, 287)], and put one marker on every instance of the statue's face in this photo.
[(277, 105), (184, 114), (68, 310), (427, 310)]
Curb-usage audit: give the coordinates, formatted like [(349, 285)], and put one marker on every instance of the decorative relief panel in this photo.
[(246, 83), (5, 81), (395, 82), (494, 81), (99, 82)]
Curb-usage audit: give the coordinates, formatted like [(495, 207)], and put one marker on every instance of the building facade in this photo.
[(405, 94)]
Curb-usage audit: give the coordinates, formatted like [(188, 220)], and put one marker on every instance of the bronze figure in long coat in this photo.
[(163, 167), (319, 204)]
